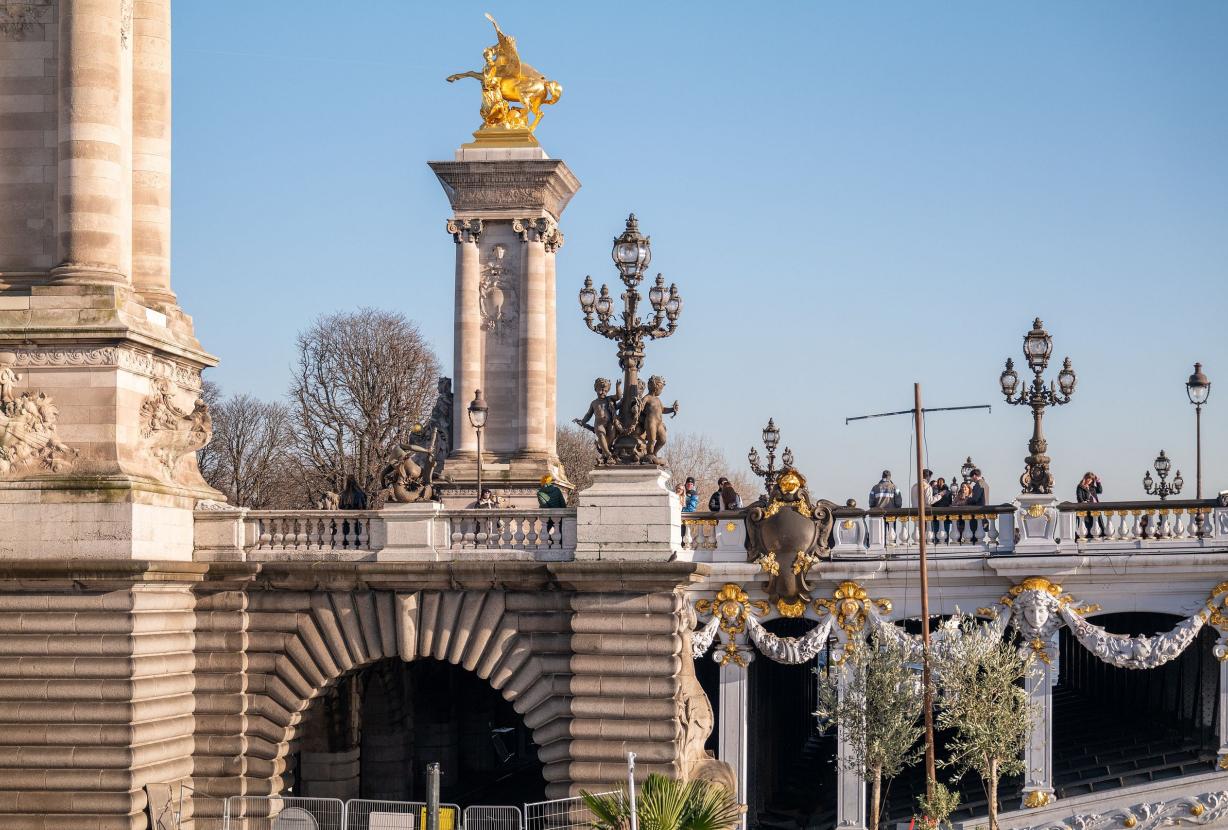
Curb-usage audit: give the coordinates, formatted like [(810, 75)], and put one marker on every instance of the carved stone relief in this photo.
[(18, 17), (499, 299), (170, 432), (28, 436), (140, 362)]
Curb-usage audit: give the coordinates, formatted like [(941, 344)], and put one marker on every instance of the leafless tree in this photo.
[(362, 382), (250, 459), (698, 456), (577, 455), (208, 457)]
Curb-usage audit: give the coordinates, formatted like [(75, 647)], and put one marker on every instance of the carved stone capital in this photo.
[(465, 230), (539, 230)]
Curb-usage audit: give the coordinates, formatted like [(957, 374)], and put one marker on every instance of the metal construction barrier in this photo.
[(559, 814), (371, 814), (284, 813), (492, 818)]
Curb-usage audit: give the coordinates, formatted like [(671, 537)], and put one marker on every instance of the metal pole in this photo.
[(1198, 451), (927, 691), (635, 819), (432, 796), (479, 498)]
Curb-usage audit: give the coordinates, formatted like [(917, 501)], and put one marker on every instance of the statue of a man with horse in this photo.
[(507, 80)]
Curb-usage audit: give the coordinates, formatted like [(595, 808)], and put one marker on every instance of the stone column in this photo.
[(851, 787), (1037, 754), (92, 145), (734, 700), (151, 151), (553, 243), (467, 332), (534, 360)]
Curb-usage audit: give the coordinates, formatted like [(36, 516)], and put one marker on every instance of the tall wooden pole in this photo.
[(927, 689)]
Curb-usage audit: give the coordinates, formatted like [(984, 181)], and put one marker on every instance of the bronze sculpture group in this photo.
[(645, 424)]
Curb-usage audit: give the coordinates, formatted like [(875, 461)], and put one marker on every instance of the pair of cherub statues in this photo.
[(644, 422)]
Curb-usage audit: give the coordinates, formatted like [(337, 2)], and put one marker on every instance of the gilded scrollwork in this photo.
[(786, 536), (1205, 809)]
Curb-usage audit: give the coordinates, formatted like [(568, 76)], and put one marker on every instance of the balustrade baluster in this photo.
[(265, 533), (965, 533), (1081, 526), (1181, 529), (993, 534), (890, 535)]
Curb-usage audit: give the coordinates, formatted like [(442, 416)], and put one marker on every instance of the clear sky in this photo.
[(851, 197)]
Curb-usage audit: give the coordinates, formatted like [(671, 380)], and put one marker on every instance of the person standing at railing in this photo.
[(941, 498), (549, 496), (1089, 492), (725, 497), (487, 500), (980, 497), (962, 498), (691, 503), (885, 494), (923, 485)]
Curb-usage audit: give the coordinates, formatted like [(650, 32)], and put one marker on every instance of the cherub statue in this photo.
[(601, 411), (8, 383), (652, 420), (506, 79)]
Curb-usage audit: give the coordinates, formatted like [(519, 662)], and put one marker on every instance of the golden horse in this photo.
[(506, 79)]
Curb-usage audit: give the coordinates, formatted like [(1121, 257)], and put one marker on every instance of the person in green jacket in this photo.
[(549, 495)]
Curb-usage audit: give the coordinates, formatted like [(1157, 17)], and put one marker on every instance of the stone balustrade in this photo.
[(1141, 524), (425, 531)]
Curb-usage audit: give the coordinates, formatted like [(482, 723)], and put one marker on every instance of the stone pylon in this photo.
[(506, 205), (100, 414)]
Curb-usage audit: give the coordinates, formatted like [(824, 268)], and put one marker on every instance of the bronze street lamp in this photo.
[(771, 440), (637, 436), (1037, 347), (965, 471), (1162, 465), (1198, 387), (477, 419)]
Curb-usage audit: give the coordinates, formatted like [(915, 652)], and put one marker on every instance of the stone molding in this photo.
[(525, 184), (111, 357), (541, 230)]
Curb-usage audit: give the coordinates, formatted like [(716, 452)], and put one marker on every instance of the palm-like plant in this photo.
[(665, 804)]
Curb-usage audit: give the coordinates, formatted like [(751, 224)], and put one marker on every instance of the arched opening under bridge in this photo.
[(1116, 727), (373, 732), (792, 765)]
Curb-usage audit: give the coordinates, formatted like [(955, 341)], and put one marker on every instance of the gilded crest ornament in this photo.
[(786, 537), (733, 607), (850, 605)]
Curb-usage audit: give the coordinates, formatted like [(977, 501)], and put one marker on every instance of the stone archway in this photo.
[(589, 660)]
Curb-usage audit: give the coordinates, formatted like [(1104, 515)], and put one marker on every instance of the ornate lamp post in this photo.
[(965, 471), (1198, 387), (1162, 465), (637, 436), (477, 419), (771, 440), (1037, 348)]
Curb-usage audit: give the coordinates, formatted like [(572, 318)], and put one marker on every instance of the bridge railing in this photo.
[(987, 530)]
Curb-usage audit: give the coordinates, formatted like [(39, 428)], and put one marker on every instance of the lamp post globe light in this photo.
[(771, 440), (1162, 465), (478, 411), (637, 432), (1198, 387), (1037, 349)]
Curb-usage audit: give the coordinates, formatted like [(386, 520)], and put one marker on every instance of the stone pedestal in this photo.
[(629, 513), (413, 532), (100, 422), (733, 741), (1038, 753), (851, 787), (506, 204), (1037, 523)]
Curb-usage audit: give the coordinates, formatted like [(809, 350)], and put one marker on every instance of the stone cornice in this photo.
[(110, 357), (476, 187)]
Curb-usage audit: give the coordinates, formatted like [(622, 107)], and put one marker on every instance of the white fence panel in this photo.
[(284, 813), (492, 818), (372, 814), (559, 814)]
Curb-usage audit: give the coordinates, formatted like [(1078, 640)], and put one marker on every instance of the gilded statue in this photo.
[(506, 80), (786, 536)]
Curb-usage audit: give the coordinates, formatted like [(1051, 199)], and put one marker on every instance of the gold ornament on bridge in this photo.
[(506, 81), (850, 604)]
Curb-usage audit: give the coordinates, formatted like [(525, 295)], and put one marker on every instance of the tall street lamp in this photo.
[(1037, 348), (477, 419), (1198, 387), (1162, 465), (771, 440), (638, 438)]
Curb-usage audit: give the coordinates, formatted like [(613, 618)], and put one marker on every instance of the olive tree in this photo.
[(983, 702), (877, 712)]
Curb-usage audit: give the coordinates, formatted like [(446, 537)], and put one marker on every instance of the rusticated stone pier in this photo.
[(119, 675)]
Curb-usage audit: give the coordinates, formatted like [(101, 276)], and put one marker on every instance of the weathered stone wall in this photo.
[(113, 677)]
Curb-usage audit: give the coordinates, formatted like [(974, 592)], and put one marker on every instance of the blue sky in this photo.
[(851, 197)]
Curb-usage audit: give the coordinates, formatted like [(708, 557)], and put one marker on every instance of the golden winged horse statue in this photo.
[(507, 80)]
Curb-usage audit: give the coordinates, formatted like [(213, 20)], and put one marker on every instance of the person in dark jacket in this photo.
[(885, 493), (725, 497), (549, 496), (1088, 492)]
